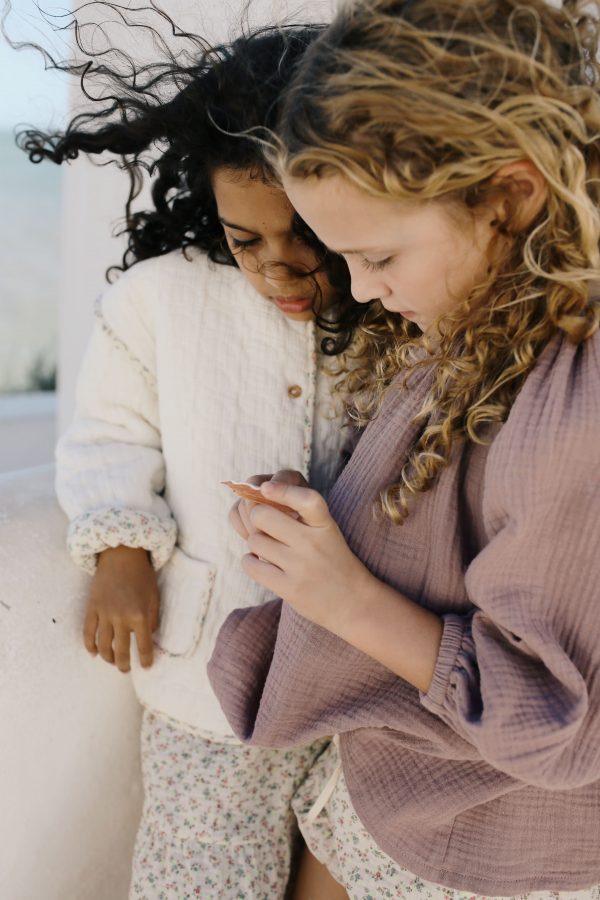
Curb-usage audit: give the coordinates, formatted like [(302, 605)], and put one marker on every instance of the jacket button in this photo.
[(294, 391)]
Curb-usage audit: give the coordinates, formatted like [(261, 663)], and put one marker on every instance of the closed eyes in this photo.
[(241, 244), (376, 266)]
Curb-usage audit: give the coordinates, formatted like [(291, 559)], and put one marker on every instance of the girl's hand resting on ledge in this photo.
[(124, 599)]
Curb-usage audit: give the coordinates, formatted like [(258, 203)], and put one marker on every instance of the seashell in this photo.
[(252, 492)]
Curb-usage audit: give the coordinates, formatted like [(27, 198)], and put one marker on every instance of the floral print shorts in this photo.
[(339, 840), (217, 821)]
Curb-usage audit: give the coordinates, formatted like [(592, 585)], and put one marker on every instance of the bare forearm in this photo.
[(123, 556), (394, 630)]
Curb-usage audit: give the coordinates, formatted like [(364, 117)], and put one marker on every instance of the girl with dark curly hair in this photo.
[(441, 609), (205, 364)]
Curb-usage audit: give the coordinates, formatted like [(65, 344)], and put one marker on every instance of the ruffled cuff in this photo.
[(456, 651), (97, 530)]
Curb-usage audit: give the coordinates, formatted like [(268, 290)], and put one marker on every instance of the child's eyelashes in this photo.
[(376, 266), (241, 244)]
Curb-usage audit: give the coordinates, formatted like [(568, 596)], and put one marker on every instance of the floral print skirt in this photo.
[(338, 839), (217, 821)]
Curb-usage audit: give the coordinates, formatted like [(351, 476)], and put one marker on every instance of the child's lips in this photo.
[(293, 304)]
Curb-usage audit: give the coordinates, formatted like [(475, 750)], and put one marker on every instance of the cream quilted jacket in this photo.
[(191, 378)]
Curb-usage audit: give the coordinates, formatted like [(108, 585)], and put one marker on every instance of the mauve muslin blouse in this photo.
[(489, 782)]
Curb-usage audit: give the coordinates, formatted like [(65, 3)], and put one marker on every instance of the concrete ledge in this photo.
[(69, 754)]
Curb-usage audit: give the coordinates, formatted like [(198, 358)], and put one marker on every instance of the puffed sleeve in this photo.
[(110, 467), (519, 677)]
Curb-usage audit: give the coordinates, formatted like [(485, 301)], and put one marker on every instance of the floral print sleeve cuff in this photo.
[(97, 530)]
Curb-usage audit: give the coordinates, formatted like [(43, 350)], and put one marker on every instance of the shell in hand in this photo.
[(252, 492)]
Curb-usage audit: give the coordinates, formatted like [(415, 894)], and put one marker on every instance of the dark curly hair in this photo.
[(178, 120)]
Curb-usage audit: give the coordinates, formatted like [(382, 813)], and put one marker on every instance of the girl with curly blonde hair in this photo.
[(440, 613)]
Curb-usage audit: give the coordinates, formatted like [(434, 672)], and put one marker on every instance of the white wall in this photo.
[(94, 197), (69, 752), (93, 201), (27, 429)]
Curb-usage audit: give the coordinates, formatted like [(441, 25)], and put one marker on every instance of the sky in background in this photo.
[(29, 94)]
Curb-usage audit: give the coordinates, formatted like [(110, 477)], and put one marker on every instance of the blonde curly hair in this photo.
[(425, 100)]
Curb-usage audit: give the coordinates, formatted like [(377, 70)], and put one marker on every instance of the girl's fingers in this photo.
[(290, 476), (90, 627), (310, 505), (245, 508), (121, 648), (258, 479), (268, 549), (264, 573), (145, 646), (105, 640), (236, 521), (284, 527)]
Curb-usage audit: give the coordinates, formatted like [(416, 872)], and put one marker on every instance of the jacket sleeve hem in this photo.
[(97, 530)]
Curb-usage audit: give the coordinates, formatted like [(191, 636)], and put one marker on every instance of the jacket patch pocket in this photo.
[(185, 586)]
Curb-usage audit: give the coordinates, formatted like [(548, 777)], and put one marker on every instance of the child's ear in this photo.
[(521, 193)]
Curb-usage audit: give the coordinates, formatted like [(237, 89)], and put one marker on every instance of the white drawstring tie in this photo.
[(329, 788)]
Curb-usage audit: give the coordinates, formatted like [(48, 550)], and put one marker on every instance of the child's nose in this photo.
[(280, 277), (366, 286), (288, 276)]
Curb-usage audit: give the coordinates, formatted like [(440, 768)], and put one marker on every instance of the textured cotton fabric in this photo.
[(489, 782), (217, 821), (340, 841), (185, 384)]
